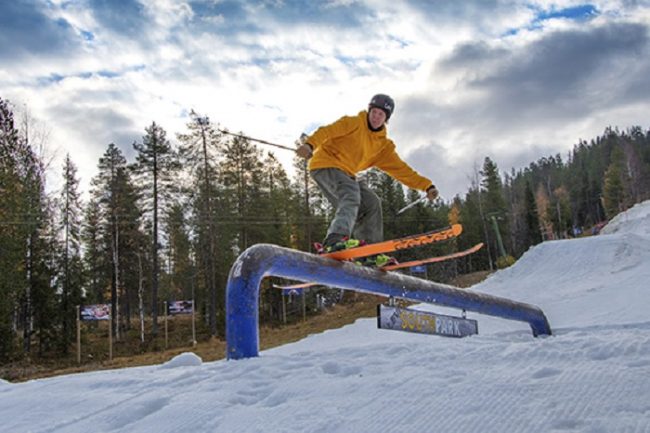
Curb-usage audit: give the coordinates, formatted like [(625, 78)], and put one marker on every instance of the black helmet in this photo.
[(384, 102)]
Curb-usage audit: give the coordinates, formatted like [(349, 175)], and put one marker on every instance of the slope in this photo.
[(593, 375)]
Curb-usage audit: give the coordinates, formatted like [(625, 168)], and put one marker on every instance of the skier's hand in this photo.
[(304, 151), (432, 193)]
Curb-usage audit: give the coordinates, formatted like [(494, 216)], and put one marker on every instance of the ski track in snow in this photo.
[(502, 382), (592, 375)]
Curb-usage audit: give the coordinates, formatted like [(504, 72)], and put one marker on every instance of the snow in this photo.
[(183, 360), (592, 375)]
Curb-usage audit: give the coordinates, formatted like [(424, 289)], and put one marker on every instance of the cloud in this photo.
[(547, 77), (431, 160), (466, 85), (520, 101), (315, 14), (27, 30), (126, 17), (558, 77)]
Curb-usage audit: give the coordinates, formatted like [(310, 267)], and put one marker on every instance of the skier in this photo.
[(341, 150)]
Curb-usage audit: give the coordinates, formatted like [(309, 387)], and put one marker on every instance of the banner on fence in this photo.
[(180, 307), (95, 312)]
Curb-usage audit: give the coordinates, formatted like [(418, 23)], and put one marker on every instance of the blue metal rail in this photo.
[(261, 260)]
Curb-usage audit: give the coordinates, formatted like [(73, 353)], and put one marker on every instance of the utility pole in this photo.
[(502, 250), (302, 140)]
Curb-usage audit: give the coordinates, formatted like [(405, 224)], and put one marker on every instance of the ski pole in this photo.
[(420, 200), (409, 206), (223, 131)]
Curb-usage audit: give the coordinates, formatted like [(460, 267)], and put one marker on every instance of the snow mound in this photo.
[(634, 220), (570, 278), (187, 359)]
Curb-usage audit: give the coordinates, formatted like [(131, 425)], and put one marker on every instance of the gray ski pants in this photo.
[(358, 208)]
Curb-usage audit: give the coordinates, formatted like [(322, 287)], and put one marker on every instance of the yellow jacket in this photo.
[(349, 145)]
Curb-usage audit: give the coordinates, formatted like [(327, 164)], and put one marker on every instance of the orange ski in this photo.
[(391, 246), (397, 244), (436, 259), (463, 253)]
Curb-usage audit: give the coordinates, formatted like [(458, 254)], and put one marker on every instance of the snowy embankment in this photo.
[(592, 375)]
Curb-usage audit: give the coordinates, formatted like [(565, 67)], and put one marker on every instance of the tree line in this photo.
[(169, 224), (554, 198)]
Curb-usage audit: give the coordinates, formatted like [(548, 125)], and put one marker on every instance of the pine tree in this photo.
[(276, 192), (533, 233), (35, 297), (241, 175), (496, 210), (69, 261), (11, 231), (91, 236), (391, 195), (115, 195), (156, 164), (42, 252), (180, 268), (614, 190), (474, 227), (199, 150), (309, 210), (133, 242), (637, 152)]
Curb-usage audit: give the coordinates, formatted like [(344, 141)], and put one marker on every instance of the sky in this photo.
[(592, 375), (512, 80)]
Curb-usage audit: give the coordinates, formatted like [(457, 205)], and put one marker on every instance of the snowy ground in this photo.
[(593, 375)]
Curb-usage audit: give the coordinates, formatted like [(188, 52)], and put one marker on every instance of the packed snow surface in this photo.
[(592, 375)]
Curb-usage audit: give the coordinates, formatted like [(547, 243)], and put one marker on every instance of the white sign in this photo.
[(403, 319), (180, 307), (95, 312)]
